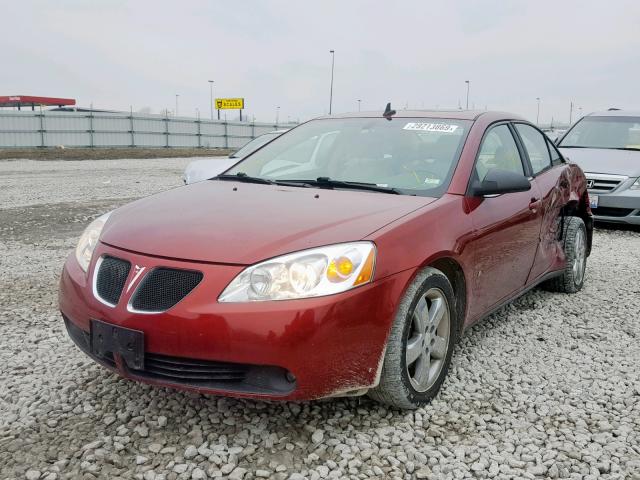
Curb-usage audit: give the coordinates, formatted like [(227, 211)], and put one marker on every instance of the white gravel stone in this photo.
[(548, 387), (32, 475), (198, 474), (317, 436), (190, 452)]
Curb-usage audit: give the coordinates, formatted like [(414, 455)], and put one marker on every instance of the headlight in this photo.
[(309, 273), (89, 240), (636, 184)]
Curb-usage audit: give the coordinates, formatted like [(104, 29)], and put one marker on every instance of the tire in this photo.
[(574, 236), (406, 383)]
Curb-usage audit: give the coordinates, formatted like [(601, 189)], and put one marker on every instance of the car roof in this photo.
[(615, 113), (449, 114)]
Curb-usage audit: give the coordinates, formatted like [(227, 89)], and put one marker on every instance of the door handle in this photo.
[(534, 204)]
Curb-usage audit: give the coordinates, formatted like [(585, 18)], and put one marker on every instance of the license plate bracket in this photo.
[(593, 200), (109, 338)]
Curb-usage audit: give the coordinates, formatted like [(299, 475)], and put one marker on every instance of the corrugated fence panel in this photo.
[(114, 129), (183, 141), (149, 125), (113, 124), (208, 128), (180, 126), (112, 139), (19, 122), (76, 122), (68, 139), (239, 131), (207, 141), (20, 139), (150, 140)]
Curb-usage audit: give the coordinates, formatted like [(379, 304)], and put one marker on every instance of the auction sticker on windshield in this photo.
[(431, 127)]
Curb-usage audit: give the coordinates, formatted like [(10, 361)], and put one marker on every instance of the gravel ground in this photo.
[(548, 387)]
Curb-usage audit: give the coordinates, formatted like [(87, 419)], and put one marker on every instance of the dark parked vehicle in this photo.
[(342, 258)]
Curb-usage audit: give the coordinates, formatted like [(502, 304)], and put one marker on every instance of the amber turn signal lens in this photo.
[(366, 274)]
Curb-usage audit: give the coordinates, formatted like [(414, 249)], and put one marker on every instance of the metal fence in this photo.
[(105, 129)]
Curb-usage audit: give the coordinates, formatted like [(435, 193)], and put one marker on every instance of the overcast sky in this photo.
[(116, 54)]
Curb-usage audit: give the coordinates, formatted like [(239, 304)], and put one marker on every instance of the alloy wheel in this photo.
[(428, 339)]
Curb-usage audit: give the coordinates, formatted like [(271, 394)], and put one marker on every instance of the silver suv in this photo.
[(606, 145)]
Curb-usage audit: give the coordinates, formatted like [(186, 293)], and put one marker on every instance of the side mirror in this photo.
[(497, 182)]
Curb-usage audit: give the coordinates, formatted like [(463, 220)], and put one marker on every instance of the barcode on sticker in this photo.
[(431, 127)]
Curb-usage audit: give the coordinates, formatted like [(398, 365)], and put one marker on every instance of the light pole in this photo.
[(211, 96), (333, 57), (538, 114), (177, 95), (468, 85), (277, 115), (359, 104)]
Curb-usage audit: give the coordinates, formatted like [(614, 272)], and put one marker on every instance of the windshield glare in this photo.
[(255, 144), (413, 155), (604, 132)]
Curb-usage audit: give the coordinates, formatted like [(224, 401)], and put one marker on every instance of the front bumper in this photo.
[(295, 349), (618, 207)]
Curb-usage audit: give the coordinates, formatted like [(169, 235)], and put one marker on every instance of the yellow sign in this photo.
[(229, 103)]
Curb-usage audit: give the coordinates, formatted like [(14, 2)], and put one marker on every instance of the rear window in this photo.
[(604, 132)]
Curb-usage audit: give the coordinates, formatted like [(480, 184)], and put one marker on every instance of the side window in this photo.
[(536, 144), (498, 150), (556, 158)]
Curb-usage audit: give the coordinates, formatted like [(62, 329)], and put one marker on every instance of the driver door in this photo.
[(505, 227)]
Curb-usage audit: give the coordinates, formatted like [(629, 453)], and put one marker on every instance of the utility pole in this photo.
[(177, 95), (468, 85), (211, 96), (359, 104), (570, 113), (333, 57), (538, 114)]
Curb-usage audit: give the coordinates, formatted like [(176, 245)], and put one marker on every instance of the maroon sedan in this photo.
[(345, 257)]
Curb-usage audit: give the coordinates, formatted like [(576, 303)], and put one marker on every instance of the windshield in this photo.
[(255, 144), (604, 132), (412, 155)]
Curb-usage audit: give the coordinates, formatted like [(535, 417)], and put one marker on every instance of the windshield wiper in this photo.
[(327, 182), (243, 177)]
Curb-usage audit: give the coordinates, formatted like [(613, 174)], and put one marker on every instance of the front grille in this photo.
[(238, 377), (163, 287), (192, 370), (601, 183), (110, 279), (612, 212)]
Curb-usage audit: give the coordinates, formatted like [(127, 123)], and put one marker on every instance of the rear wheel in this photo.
[(420, 344), (575, 249)]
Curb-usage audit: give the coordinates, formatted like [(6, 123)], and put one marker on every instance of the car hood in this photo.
[(206, 168), (600, 160), (240, 223)]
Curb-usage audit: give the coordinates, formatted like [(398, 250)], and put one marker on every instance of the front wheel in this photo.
[(574, 237), (420, 344)]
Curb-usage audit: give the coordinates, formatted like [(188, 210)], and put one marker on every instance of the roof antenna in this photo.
[(388, 113)]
